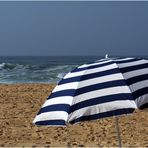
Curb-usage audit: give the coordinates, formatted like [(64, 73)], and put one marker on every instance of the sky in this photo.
[(73, 28)]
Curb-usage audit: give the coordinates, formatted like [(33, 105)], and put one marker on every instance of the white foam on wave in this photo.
[(2, 65), (61, 75)]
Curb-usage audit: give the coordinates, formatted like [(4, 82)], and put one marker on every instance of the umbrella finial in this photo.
[(106, 56)]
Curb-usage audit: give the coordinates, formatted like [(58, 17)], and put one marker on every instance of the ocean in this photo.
[(45, 69)]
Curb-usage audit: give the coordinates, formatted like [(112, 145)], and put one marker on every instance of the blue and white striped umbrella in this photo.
[(107, 87)]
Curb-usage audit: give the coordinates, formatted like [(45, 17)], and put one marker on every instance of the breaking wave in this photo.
[(33, 73)]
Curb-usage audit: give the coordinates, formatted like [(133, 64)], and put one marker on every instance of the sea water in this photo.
[(47, 69)]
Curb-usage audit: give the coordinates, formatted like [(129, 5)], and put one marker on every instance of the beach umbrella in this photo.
[(104, 88)]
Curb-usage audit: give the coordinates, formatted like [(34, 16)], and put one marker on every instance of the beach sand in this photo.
[(20, 103)]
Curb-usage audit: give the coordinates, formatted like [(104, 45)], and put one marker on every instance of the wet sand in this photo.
[(20, 103)]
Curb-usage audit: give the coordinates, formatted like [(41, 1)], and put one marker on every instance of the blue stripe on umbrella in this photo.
[(140, 92), (68, 92), (100, 86), (69, 80), (136, 79), (144, 106), (99, 74), (100, 100), (89, 76), (103, 115), (51, 122), (56, 107), (126, 61), (132, 68), (92, 67)]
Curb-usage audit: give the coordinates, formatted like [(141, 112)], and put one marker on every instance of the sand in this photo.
[(20, 103)]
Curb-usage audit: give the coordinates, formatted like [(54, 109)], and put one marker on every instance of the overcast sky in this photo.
[(73, 28)]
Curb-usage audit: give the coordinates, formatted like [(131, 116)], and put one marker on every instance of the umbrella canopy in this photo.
[(107, 87)]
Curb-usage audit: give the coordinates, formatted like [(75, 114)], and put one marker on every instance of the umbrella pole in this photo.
[(118, 132)]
